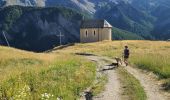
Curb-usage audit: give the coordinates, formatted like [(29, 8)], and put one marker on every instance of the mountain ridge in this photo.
[(128, 19), (137, 16), (28, 27)]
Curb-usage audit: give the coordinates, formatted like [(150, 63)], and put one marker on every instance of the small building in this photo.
[(95, 30)]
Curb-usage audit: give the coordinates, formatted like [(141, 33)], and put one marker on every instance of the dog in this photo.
[(118, 62)]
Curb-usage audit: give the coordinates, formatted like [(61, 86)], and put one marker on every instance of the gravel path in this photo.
[(112, 88), (150, 84)]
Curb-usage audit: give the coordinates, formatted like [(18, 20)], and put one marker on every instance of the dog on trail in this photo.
[(118, 62)]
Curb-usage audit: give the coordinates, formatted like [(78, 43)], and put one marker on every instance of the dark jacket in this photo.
[(126, 53)]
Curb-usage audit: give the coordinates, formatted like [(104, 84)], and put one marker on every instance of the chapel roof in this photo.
[(95, 24)]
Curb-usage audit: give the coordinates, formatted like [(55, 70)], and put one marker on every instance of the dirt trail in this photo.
[(112, 88), (150, 84)]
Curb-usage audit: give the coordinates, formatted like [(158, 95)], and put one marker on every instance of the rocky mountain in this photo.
[(39, 3), (88, 5), (38, 22), (162, 24), (136, 16), (126, 17), (149, 5)]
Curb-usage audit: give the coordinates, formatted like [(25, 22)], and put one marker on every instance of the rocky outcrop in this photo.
[(40, 3)]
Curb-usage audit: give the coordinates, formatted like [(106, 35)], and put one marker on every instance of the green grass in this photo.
[(148, 55), (100, 85), (132, 89), (32, 76), (159, 64), (22, 61), (63, 74)]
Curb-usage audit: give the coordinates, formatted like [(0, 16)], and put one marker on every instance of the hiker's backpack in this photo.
[(126, 52)]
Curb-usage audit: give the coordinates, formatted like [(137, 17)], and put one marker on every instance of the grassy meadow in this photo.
[(149, 55), (63, 74), (42, 76)]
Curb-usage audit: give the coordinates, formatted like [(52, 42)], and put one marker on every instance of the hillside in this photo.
[(43, 75), (119, 34), (35, 24), (36, 29), (39, 3), (66, 73), (125, 17), (137, 16), (162, 24), (148, 55)]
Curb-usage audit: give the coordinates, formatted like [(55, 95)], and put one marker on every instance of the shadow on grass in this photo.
[(88, 95), (60, 47), (85, 54)]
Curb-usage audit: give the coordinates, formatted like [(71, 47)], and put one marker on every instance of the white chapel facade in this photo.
[(95, 30)]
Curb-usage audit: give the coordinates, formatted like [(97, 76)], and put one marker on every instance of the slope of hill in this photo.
[(152, 56), (83, 5), (43, 75), (119, 34), (64, 74), (125, 17), (149, 5), (162, 25), (145, 19), (132, 18), (38, 3), (37, 28)]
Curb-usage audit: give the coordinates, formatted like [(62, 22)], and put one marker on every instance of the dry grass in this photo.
[(28, 75), (149, 55), (14, 62), (62, 73)]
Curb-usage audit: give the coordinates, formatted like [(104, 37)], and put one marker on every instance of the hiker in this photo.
[(126, 55)]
